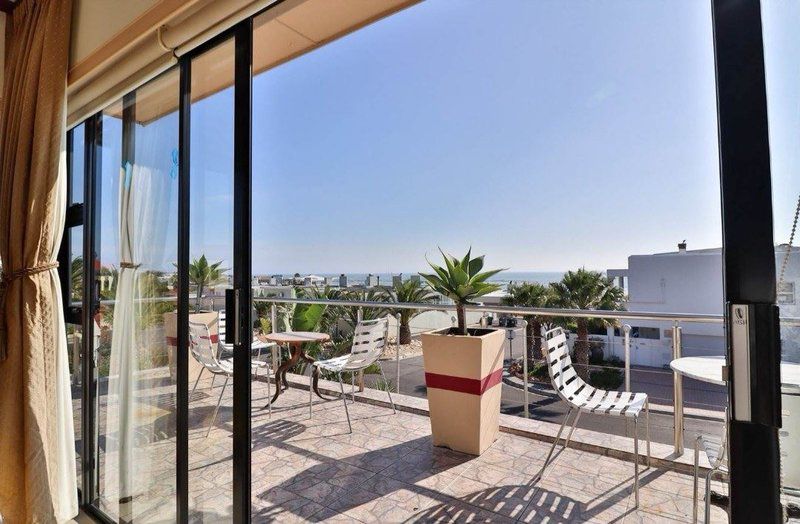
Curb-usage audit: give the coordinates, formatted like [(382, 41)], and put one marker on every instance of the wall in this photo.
[(95, 21), (691, 282)]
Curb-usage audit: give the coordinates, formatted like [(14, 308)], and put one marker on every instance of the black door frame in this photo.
[(241, 35), (748, 257)]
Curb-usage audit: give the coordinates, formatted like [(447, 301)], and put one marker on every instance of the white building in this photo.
[(686, 281)]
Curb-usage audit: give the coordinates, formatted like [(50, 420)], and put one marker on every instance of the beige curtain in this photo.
[(37, 471)]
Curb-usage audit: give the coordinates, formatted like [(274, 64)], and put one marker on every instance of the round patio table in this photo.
[(709, 369), (295, 341)]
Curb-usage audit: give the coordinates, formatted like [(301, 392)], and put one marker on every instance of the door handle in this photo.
[(237, 325), (232, 316)]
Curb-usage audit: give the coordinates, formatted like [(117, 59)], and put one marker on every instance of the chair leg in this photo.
[(269, 394), (213, 379), (647, 429), (344, 399), (310, 387), (216, 409), (636, 460), (198, 380), (696, 478), (707, 517), (388, 389), (572, 429), (553, 447), (353, 386), (258, 359)]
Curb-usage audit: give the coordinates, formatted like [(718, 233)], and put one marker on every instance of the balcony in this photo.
[(312, 469)]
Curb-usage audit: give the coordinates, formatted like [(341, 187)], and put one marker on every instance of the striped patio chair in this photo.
[(369, 341), (581, 397)]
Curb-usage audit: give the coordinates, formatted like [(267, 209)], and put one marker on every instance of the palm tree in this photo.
[(367, 313), (531, 294), (329, 320), (410, 291), (203, 274), (584, 289), (76, 278)]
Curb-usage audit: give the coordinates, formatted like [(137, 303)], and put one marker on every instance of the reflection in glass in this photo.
[(136, 243), (210, 270), (781, 48)]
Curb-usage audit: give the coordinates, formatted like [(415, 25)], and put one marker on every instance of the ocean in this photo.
[(504, 277)]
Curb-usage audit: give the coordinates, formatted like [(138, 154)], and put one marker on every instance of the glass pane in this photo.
[(550, 137), (76, 265), (77, 164), (136, 251), (75, 274), (74, 341), (781, 47), (210, 272)]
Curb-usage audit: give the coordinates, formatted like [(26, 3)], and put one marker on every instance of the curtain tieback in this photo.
[(4, 282), (28, 271), (128, 265)]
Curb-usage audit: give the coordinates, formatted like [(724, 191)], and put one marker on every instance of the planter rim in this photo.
[(445, 333)]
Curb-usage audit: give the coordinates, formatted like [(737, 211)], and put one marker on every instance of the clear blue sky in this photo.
[(547, 135)]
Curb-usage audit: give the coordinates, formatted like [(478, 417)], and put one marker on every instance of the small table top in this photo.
[(297, 337), (709, 369)]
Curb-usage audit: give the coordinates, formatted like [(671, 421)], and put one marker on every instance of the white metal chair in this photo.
[(581, 397), (369, 341), (207, 354), (256, 344), (716, 450)]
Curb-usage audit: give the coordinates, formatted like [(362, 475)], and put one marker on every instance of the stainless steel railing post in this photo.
[(525, 350), (627, 344), (677, 382), (397, 356), (359, 318), (273, 323)]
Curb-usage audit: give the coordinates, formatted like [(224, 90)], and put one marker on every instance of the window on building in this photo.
[(786, 293), (646, 332)]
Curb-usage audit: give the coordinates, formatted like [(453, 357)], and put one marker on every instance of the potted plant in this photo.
[(463, 366)]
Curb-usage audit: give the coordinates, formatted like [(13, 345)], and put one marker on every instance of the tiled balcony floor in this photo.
[(312, 469)]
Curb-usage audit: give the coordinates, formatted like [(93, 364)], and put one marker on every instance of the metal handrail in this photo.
[(515, 310), (511, 310), (675, 318)]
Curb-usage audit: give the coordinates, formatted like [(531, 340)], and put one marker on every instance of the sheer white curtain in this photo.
[(67, 493), (144, 195)]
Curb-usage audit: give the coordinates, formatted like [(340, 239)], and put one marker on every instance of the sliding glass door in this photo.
[(210, 275), (130, 300)]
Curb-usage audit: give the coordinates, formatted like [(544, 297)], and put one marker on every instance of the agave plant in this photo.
[(462, 282)]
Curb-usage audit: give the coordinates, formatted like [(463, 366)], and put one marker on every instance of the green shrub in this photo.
[(540, 372), (606, 378)]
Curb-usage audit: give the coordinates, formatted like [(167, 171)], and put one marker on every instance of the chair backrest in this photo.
[(201, 347), (369, 340), (570, 387), (221, 325)]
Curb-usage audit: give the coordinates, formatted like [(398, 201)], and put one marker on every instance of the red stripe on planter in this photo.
[(472, 386), (173, 341)]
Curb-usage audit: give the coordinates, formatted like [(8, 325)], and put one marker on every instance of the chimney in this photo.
[(682, 247)]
